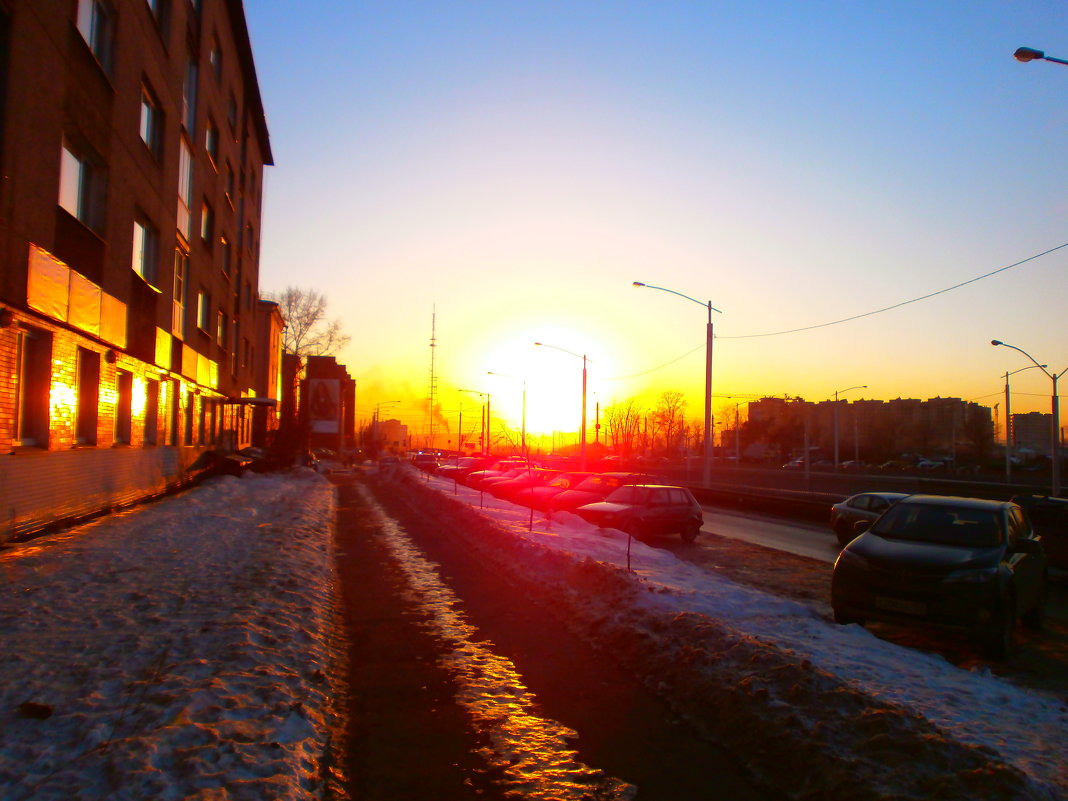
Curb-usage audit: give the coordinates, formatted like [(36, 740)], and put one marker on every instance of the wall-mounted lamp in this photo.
[(110, 356)]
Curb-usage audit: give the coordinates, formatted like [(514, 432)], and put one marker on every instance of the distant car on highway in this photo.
[(645, 510), (963, 563), (864, 506)]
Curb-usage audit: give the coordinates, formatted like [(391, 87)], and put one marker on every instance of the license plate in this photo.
[(900, 606)]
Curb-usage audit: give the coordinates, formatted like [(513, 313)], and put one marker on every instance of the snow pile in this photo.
[(820, 709), (177, 650)]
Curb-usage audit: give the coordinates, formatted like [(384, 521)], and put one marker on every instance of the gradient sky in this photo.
[(515, 166)]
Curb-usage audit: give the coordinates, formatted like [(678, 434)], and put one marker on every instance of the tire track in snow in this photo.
[(530, 751)]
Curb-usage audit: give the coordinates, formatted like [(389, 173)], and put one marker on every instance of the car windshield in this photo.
[(944, 525)]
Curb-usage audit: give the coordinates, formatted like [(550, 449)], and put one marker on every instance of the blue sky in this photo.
[(515, 166)]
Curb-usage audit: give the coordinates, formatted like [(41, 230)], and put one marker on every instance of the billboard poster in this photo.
[(323, 405)]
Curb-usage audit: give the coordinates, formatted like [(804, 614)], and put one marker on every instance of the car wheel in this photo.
[(690, 532), (843, 619), (1035, 618), (1001, 637)]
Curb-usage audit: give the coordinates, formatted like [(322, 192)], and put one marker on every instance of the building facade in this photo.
[(132, 145)]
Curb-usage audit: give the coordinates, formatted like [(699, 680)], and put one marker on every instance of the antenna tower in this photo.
[(432, 389)]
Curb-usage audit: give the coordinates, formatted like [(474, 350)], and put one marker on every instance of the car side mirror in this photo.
[(861, 526), (1028, 545)]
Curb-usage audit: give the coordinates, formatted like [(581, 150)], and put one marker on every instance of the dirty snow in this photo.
[(176, 650), (182, 649)]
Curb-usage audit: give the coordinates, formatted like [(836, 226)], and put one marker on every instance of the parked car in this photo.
[(528, 477), (865, 506), (1049, 516), (539, 497), (596, 487), (965, 563), (463, 466), (427, 462), (645, 510)]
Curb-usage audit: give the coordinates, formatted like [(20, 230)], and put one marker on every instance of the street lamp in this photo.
[(582, 433), (707, 472), (1026, 54), (1008, 421), (486, 430), (374, 423), (1055, 444), (836, 394), (524, 430)]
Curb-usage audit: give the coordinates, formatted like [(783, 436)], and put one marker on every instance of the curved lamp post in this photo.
[(523, 435), (1008, 420), (582, 433), (1026, 54), (1055, 440), (838, 392), (374, 422), (707, 471), (486, 424)]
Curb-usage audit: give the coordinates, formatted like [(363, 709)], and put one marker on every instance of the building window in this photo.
[(215, 57), (189, 97), (161, 11), (82, 184), (211, 142), (231, 113), (228, 176), (227, 255), (123, 406), (207, 223), (220, 329), (88, 376), (146, 251), (96, 23), (189, 408), (173, 389), (151, 122), (203, 311), (203, 419), (181, 268), (185, 188), (151, 411), (33, 359)]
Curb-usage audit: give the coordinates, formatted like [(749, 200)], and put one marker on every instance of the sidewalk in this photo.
[(176, 650)]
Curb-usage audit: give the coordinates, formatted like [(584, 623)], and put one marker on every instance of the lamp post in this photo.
[(707, 470), (1025, 54), (1055, 444), (582, 432), (523, 435), (374, 423), (836, 394), (1008, 421), (486, 431)]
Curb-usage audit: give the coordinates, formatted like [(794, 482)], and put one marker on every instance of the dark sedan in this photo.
[(865, 506), (965, 563)]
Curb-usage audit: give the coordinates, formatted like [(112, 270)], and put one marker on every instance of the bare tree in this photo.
[(622, 425), (669, 419), (308, 332)]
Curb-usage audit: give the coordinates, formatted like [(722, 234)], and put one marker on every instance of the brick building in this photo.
[(132, 147)]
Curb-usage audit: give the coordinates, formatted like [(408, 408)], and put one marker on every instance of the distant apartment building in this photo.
[(872, 429), (132, 342), (1033, 432)]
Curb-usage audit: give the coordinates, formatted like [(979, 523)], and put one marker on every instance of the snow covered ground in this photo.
[(1024, 732), (182, 650), (177, 650)]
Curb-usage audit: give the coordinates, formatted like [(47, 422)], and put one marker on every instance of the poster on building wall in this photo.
[(323, 404)]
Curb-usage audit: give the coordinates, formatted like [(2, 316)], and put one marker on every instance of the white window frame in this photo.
[(146, 251)]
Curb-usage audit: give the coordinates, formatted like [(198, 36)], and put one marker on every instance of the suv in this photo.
[(933, 560), (644, 510)]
